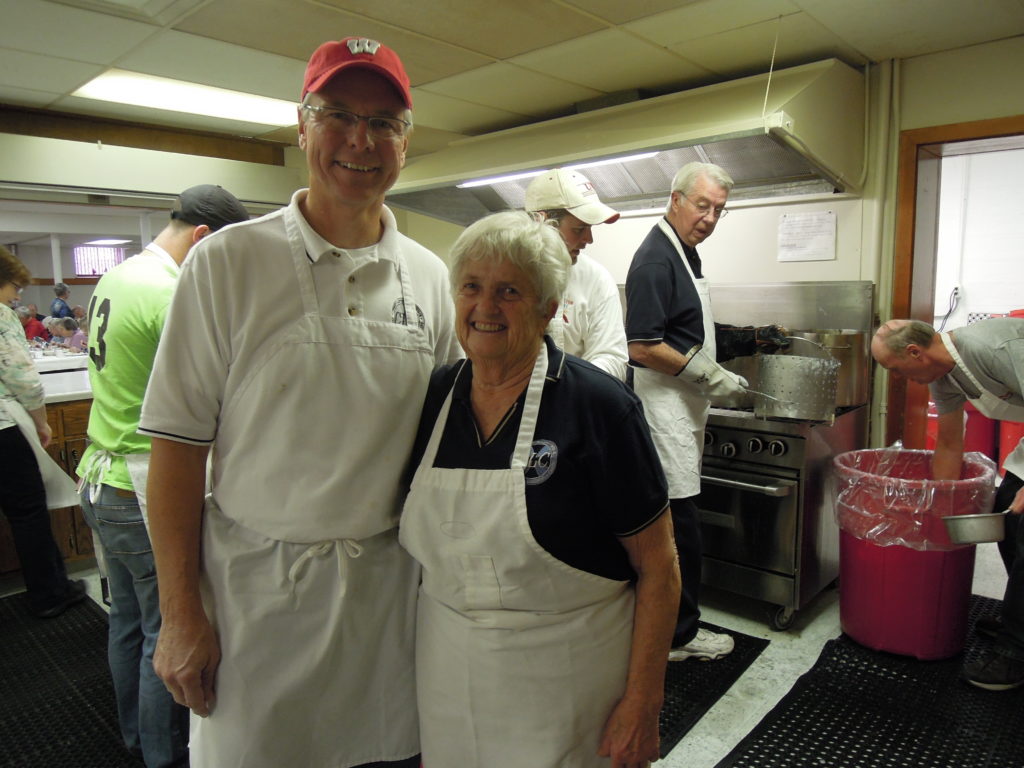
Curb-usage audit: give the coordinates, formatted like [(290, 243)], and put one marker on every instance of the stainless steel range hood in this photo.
[(807, 135)]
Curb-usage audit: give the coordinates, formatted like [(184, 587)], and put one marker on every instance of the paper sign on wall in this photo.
[(807, 236)]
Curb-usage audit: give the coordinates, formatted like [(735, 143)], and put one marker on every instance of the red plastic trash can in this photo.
[(904, 587)]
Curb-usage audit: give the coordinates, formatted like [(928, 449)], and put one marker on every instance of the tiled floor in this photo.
[(788, 655)]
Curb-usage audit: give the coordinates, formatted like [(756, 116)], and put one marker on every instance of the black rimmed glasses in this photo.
[(706, 210), (341, 120), (18, 288)]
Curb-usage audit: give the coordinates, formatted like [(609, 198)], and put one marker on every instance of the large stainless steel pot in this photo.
[(850, 348), (794, 387)]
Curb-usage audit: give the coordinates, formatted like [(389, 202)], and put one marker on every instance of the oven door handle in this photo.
[(767, 490)]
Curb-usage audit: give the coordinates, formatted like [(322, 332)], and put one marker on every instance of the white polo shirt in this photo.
[(591, 318), (238, 288)]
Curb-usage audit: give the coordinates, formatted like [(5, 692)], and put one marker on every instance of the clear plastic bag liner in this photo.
[(887, 496)]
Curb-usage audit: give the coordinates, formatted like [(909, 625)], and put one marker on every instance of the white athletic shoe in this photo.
[(706, 646)]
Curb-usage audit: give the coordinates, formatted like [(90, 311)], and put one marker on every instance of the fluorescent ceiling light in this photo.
[(499, 179), (614, 160), (531, 174), (122, 87), (107, 242)]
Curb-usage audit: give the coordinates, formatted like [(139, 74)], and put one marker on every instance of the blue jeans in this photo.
[(1011, 643), (151, 723)]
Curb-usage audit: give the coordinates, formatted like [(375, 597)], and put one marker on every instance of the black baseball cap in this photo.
[(209, 204)]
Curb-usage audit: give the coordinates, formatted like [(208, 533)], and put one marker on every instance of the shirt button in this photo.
[(351, 278), (335, 254), (353, 310)]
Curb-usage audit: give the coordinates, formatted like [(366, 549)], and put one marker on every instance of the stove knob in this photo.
[(755, 445), (709, 439), (728, 450), (777, 448)]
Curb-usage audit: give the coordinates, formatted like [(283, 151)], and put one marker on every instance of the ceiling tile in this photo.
[(611, 61), (522, 91), (295, 29), (426, 140), (748, 50), (499, 30), (699, 20), (42, 27), (201, 60), (448, 114), (914, 27), (26, 97), (44, 73), (618, 12)]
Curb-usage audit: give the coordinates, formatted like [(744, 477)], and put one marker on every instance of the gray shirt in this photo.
[(993, 351)]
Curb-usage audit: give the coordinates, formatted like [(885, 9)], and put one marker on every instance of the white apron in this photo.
[(520, 658), (676, 412), (991, 406), (61, 490), (314, 606)]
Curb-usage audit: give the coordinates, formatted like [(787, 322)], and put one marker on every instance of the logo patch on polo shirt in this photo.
[(398, 314), (542, 461)]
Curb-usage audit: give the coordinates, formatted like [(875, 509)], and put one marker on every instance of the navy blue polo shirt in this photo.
[(661, 300), (593, 474)]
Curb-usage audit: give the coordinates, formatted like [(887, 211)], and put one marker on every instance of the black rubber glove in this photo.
[(731, 342), (771, 338)]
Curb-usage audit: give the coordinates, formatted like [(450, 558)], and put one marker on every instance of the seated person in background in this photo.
[(33, 328), (34, 310), (78, 312), (66, 331)]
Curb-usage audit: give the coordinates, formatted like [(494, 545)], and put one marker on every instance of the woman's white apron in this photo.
[(520, 658)]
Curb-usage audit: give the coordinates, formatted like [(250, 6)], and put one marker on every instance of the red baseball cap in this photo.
[(332, 57)]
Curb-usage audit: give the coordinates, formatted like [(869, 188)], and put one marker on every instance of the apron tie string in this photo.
[(351, 547), (94, 470)]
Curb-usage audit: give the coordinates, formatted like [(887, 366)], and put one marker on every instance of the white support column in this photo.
[(58, 266)]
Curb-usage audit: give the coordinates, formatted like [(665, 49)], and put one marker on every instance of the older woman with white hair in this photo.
[(538, 515)]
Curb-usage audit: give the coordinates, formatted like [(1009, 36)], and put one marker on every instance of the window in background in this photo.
[(95, 260)]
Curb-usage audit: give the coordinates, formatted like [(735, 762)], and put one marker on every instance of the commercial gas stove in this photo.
[(766, 505)]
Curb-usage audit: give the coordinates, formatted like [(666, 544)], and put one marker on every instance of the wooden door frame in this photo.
[(906, 418)]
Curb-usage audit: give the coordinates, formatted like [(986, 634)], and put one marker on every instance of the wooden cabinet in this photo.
[(68, 422)]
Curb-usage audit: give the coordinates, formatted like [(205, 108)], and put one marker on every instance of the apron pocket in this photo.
[(481, 582)]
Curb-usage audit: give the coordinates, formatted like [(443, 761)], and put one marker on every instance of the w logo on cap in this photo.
[(363, 45)]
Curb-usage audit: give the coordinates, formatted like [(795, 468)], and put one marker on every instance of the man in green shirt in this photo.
[(126, 316)]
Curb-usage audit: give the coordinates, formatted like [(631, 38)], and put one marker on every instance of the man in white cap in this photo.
[(589, 322), (299, 346)]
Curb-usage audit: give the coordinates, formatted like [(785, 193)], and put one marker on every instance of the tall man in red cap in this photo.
[(299, 346), (588, 322)]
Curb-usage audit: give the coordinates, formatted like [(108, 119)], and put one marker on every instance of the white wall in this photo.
[(744, 245), (981, 235)]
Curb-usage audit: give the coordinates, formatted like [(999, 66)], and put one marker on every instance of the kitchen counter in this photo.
[(65, 376)]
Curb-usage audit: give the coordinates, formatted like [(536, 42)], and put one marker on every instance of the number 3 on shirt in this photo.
[(98, 353)]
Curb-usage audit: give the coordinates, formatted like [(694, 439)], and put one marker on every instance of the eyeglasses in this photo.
[(18, 288), (341, 120), (705, 210)]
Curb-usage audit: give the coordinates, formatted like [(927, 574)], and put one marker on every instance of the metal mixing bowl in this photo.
[(976, 529)]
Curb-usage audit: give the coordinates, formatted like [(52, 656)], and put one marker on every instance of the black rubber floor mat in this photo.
[(692, 687), (858, 708), (57, 707)]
